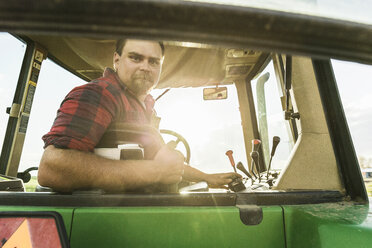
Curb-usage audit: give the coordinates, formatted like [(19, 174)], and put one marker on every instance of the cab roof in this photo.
[(267, 26)]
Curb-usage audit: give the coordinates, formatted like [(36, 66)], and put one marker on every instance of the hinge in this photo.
[(14, 110)]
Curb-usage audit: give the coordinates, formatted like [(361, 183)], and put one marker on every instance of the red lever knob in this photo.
[(229, 154), (255, 144)]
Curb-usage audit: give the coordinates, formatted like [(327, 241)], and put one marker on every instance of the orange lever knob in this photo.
[(229, 154)]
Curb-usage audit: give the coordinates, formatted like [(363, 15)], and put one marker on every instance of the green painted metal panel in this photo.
[(66, 213), (328, 225), (174, 227)]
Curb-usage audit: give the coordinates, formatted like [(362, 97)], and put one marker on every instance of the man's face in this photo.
[(139, 65)]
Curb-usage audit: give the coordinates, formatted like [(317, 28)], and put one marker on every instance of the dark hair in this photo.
[(121, 43)]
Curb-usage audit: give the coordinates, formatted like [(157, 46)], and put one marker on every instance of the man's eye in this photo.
[(135, 58), (154, 62)]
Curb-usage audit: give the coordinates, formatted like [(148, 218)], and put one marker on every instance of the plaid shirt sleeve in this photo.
[(83, 117)]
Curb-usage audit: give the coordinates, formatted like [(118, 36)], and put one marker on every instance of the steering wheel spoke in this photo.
[(174, 143)]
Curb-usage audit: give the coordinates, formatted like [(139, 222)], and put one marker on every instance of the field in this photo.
[(31, 185), (369, 188)]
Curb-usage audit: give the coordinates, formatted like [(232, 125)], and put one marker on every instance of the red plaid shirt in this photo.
[(88, 110)]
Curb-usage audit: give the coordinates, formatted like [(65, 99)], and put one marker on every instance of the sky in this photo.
[(224, 125), (355, 87)]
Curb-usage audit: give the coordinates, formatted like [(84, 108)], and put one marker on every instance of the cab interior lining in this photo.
[(312, 162), (201, 65)]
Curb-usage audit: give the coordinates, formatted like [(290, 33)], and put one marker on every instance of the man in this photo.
[(122, 95)]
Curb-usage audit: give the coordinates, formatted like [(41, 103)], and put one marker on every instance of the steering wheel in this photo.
[(179, 138)]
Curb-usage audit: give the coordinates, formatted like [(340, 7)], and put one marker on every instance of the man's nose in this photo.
[(145, 66)]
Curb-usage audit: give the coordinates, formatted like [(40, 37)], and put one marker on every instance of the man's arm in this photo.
[(66, 170), (217, 180)]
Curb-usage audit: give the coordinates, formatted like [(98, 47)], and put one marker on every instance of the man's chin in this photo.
[(142, 87)]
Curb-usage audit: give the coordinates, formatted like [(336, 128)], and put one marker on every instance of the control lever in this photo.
[(237, 184), (251, 169), (255, 159), (255, 145), (232, 162), (276, 140), (241, 168)]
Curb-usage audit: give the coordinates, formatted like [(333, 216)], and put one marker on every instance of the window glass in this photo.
[(211, 127), (12, 51), (267, 93), (53, 85), (355, 87)]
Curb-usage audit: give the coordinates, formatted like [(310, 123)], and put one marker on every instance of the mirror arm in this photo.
[(289, 113)]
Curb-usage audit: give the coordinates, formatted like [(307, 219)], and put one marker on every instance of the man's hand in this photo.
[(169, 165), (220, 180)]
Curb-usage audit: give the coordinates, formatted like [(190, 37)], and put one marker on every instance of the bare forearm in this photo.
[(66, 170), (194, 175), (215, 180)]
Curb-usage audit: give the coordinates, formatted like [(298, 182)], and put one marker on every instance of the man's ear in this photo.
[(116, 59)]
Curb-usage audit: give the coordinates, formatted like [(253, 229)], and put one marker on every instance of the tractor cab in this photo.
[(237, 106)]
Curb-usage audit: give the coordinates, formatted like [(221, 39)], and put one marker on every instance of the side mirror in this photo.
[(218, 93)]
